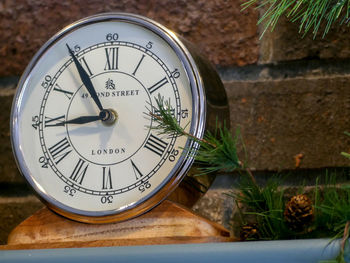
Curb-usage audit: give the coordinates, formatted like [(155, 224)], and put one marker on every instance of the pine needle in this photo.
[(312, 15), (265, 206), (166, 123), (217, 151)]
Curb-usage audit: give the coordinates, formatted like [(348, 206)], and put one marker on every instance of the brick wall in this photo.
[(289, 95)]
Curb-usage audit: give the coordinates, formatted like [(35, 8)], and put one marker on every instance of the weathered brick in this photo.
[(285, 43), (13, 211), (221, 31), (280, 119), (8, 169)]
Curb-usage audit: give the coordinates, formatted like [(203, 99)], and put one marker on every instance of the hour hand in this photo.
[(85, 79), (79, 120)]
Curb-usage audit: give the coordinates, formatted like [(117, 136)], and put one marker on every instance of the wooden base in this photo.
[(167, 223)]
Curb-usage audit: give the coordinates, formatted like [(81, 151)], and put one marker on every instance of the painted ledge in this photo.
[(296, 251)]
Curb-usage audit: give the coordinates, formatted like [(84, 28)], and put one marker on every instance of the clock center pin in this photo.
[(108, 117)]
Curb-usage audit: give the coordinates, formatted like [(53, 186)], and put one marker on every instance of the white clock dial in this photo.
[(77, 160)]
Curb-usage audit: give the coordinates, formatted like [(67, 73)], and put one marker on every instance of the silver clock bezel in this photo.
[(183, 164)]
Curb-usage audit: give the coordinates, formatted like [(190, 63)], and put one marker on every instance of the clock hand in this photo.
[(107, 116), (80, 120), (85, 79)]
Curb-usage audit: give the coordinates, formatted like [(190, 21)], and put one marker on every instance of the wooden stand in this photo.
[(168, 223)]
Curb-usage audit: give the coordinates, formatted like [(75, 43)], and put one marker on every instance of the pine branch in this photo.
[(312, 15), (217, 151), (345, 238), (166, 124), (333, 211), (264, 206)]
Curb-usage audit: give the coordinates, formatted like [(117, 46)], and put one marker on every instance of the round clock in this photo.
[(81, 133)]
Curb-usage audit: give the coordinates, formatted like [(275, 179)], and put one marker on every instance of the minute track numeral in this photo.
[(107, 178), (156, 145), (35, 121), (67, 93), (158, 85), (69, 190), (112, 58), (79, 171), (53, 122)]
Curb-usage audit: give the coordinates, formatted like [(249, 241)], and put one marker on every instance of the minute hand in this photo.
[(86, 79)]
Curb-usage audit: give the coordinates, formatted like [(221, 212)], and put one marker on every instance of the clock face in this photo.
[(81, 126)]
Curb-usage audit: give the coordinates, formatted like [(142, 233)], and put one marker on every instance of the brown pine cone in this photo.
[(299, 212)]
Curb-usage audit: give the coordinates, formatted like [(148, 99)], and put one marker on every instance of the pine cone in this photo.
[(299, 212), (248, 232)]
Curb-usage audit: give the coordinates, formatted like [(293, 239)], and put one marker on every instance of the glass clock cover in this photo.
[(81, 132)]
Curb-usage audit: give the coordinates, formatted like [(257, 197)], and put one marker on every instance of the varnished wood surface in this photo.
[(118, 242), (168, 223)]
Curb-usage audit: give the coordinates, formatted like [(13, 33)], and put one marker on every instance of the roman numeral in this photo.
[(79, 171), (138, 65), (112, 58), (52, 122), (67, 93), (60, 150), (107, 178), (136, 170), (156, 145), (158, 85), (85, 66)]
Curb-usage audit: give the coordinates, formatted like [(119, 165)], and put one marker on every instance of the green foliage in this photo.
[(166, 124), (217, 151), (333, 214), (333, 208), (264, 206), (312, 15)]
